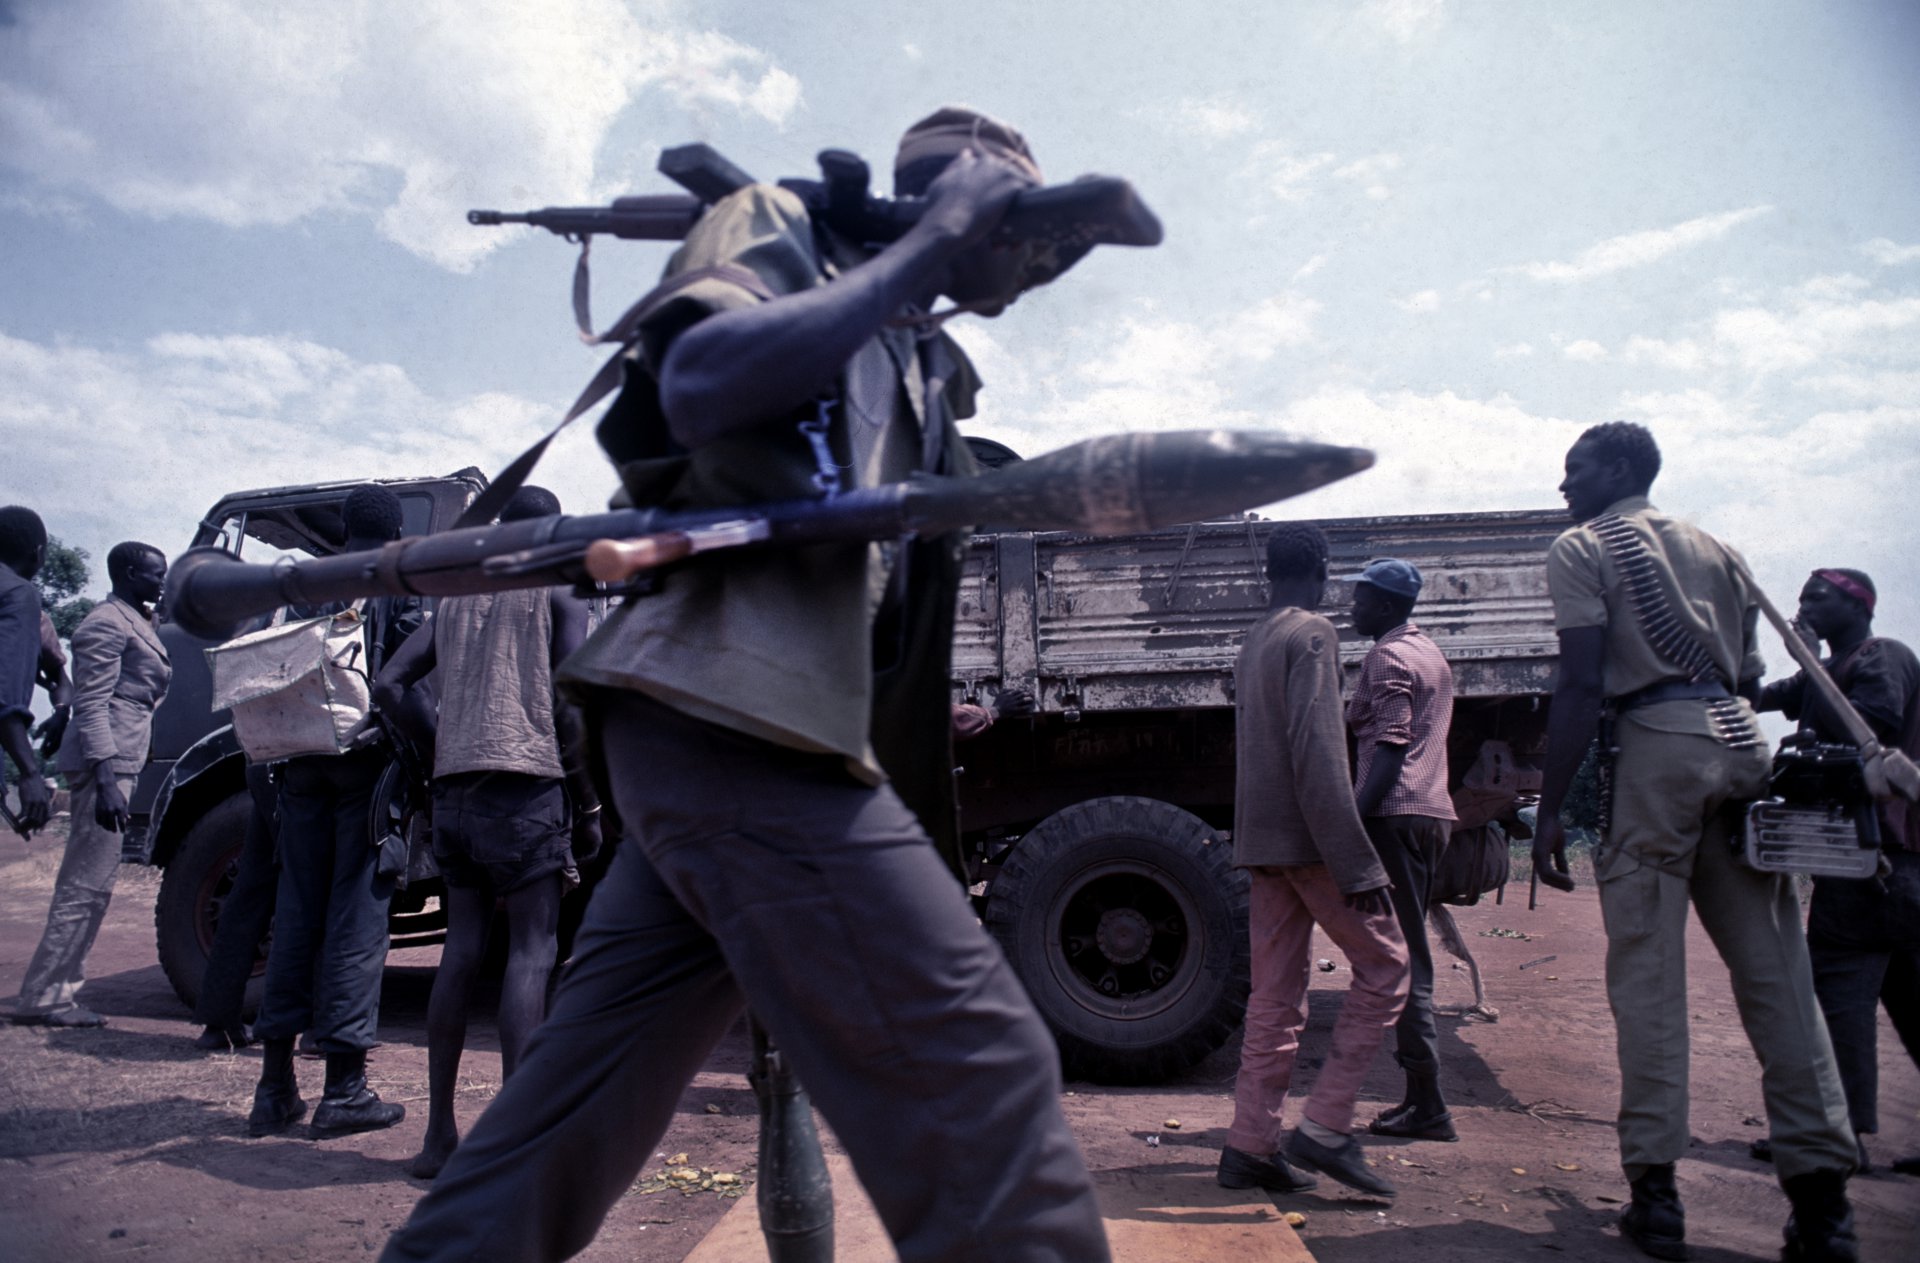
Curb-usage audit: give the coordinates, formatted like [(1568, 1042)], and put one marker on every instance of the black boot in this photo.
[(1820, 1229), (276, 1101), (1655, 1221), (1422, 1116), (349, 1104)]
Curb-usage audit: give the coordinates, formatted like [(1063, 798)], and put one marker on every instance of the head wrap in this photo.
[(952, 128), (1849, 586)]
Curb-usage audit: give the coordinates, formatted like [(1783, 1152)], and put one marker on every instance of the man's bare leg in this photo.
[(533, 925), (469, 912)]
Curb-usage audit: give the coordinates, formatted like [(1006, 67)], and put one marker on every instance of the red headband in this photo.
[(1852, 587)]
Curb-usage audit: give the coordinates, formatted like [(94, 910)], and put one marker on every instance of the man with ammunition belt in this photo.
[(1657, 624), (750, 715), (1864, 935)]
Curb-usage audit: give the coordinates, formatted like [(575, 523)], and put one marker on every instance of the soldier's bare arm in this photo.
[(740, 368)]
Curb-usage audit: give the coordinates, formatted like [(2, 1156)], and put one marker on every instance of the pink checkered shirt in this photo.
[(1404, 697)]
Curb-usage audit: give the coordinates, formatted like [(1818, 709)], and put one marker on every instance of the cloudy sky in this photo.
[(235, 255)]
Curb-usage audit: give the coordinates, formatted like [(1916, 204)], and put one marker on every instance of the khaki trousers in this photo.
[(81, 894), (1668, 847)]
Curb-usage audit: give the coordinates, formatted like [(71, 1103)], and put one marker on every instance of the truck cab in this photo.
[(190, 803)]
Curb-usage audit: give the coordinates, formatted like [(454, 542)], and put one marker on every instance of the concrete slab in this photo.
[(1153, 1214)]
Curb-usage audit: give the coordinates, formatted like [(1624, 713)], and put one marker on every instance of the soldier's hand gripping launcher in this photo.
[(1105, 486)]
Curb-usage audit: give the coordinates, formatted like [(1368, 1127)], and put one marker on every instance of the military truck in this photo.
[(1099, 831), (191, 804)]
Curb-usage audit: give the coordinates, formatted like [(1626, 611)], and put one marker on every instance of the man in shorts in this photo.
[(507, 809)]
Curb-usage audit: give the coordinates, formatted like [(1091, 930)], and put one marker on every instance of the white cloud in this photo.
[(1808, 331), (1425, 300), (1370, 172), (1311, 266), (1284, 172), (1585, 351), (1212, 118), (1683, 354), (1284, 321), (111, 445), (1637, 249), (1513, 351), (1433, 450), (244, 113), (1404, 20), (912, 51), (1880, 250)]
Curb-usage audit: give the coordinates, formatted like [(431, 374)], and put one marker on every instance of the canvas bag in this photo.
[(297, 689)]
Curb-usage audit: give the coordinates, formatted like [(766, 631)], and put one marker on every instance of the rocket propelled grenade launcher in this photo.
[(1112, 485)]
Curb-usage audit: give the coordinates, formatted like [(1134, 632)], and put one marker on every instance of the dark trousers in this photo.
[(245, 915), (330, 919), (770, 875), (1863, 936), (1409, 848)]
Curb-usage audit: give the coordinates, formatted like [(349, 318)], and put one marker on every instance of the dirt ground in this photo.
[(126, 1142)]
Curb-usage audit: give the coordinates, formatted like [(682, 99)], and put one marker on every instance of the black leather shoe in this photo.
[(1655, 1221), (1345, 1164), (275, 1108), (1402, 1123), (1820, 1229), (1240, 1169)]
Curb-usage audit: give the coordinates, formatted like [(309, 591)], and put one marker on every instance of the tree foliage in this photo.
[(63, 577), (1581, 809)]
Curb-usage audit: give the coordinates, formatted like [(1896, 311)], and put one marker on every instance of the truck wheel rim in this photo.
[(1122, 939)]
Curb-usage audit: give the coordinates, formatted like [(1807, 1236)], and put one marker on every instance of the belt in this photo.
[(1670, 691)]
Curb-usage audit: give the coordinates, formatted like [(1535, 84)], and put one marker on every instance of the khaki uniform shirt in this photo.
[(1293, 793), (120, 675), (1704, 585), (777, 643)]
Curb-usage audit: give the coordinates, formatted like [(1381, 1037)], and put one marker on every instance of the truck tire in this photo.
[(191, 892), (1127, 921)]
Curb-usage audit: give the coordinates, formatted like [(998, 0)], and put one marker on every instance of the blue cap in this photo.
[(1390, 574)]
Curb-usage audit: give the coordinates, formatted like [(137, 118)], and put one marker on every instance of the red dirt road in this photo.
[(127, 1143)]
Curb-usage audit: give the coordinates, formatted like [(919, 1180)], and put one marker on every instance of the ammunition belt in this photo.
[(1669, 637), (1672, 640)]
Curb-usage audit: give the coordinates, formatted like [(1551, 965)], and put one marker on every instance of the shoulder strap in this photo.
[(625, 332), (1669, 637)]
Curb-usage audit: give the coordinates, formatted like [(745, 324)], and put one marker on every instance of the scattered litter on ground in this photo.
[(1172, 1124), (1497, 932), (679, 1177), (1540, 961), (1295, 1219)]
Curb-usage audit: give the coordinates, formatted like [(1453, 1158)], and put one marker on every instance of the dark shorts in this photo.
[(499, 830)]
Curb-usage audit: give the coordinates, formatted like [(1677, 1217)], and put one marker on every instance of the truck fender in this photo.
[(215, 756)]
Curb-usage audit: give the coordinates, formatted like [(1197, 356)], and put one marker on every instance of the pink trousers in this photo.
[(1286, 903)]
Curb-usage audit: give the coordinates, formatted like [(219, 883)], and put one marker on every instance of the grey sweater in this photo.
[(1293, 799)]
